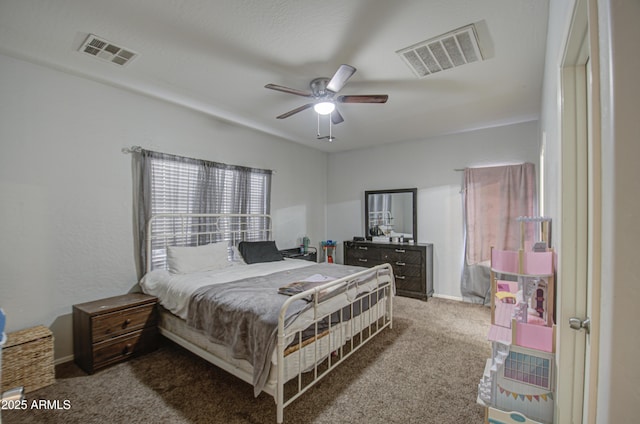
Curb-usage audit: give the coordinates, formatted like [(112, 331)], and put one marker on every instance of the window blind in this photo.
[(181, 185)]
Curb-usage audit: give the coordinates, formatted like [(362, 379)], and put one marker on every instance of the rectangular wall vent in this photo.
[(107, 51), (455, 48)]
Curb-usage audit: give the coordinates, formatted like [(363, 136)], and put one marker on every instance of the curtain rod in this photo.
[(132, 149), (491, 166), (136, 149)]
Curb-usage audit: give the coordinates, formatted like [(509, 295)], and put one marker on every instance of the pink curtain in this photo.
[(494, 197)]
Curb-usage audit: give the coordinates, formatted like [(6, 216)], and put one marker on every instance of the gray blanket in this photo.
[(243, 315)]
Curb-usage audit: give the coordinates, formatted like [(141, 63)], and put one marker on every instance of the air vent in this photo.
[(107, 51), (455, 48)]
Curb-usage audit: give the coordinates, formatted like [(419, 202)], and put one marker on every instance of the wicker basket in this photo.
[(27, 359)]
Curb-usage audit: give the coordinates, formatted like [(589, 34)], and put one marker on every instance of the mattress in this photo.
[(174, 290)]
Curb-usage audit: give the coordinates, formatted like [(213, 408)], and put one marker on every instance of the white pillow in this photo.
[(208, 257), (236, 258)]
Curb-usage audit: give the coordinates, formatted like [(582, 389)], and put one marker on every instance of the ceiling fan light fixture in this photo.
[(324, 108)]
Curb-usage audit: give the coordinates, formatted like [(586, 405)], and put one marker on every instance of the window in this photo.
[(192, 187), (175, 184)]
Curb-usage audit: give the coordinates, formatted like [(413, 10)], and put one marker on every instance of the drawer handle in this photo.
[(126, 323), (400, 263), (127, 349), (401, 250), (363, 248), (401, 277), (363, 260)]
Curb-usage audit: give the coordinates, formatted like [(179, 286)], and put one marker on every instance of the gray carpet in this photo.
[(424, 370)]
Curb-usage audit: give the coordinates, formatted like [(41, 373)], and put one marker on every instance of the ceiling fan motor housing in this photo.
[(319, 88)]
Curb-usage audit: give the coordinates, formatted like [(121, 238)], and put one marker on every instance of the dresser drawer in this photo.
[(364, 252), (409, 286), (127, 320), (406, 270), (122, 347), (366, 262), (403, 255)]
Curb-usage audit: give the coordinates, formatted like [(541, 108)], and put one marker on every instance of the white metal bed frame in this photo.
[(182, 229)]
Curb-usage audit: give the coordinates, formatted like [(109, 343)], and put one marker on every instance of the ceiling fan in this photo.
[(323, 92)]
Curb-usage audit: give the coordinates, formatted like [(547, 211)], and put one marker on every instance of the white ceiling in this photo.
[(215, 56)]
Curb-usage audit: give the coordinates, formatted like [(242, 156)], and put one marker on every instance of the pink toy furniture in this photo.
[(518, 383)]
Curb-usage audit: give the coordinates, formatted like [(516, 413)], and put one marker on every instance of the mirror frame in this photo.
[(414, 199)]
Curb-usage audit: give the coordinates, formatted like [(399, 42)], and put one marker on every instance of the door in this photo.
[(579, 256)]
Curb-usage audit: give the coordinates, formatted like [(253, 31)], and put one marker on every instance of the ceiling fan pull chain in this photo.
[(318, 132)]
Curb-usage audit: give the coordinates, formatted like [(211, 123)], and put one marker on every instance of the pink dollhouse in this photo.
[(518, 382)]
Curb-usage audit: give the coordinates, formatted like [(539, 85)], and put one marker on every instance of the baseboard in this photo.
[(63, 360), (446, 296)]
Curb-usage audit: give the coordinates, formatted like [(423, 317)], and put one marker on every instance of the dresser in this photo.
[(111, 330), (412, 263)]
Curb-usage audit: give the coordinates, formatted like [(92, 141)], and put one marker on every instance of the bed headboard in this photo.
[(198, 229)]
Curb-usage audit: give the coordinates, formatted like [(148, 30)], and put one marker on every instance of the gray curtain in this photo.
[(493, 198), (165, 183)]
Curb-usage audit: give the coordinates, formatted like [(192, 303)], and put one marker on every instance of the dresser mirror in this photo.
[(391, 214)]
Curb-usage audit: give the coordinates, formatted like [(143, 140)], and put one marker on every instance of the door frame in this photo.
[(579, 259)]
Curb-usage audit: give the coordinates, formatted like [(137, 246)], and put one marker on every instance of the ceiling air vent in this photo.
[(107, 51), (455, 48)]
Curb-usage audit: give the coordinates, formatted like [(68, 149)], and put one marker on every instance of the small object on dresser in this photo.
[(112, 330), (380, 239)]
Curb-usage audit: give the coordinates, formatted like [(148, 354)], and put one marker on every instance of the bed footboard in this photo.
[(365, 311)]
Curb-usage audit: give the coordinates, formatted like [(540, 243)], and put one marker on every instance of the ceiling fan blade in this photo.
[(294, 111), (340, 78), (289, 90), (367, 98), (336, 118)]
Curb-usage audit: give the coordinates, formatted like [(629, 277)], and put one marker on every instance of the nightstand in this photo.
[(294, 253), (112, 330)]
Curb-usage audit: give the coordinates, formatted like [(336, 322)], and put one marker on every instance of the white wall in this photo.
[(618, 397), (429, 165), (66, 208), (619, 377)]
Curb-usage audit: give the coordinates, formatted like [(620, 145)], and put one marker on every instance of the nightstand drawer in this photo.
[(125, 321), (120, 348)]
